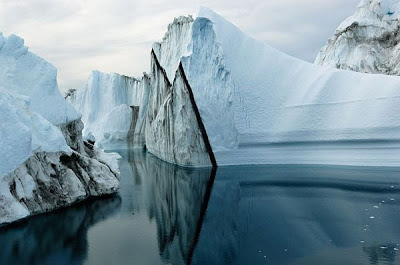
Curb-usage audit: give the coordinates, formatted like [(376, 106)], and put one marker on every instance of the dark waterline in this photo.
[(165, 214)]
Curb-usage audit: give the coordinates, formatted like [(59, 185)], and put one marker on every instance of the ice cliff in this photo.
[(252, 98), (44, 162), (368, 41), (107, 104)]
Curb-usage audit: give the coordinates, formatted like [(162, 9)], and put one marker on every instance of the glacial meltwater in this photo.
[(165, 214)]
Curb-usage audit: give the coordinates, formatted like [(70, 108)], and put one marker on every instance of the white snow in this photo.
[(105, 106)]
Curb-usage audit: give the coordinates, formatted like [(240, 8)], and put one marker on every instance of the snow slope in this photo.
[(368, 41), (270, 97), (105, 103)]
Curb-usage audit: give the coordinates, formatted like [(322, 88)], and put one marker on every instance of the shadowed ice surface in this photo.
[(165, 214)]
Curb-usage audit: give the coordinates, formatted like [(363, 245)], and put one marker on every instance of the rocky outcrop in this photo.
[(368, 41)]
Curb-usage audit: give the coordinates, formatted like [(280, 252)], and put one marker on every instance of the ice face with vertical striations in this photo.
[(368, 41), (194, 43), (105, 103)]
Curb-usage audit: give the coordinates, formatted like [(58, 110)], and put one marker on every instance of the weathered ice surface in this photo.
[(44, 162), (105, 103), (174, 129), (368, 41)]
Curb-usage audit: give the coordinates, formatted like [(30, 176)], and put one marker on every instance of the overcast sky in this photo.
[(116, 35)]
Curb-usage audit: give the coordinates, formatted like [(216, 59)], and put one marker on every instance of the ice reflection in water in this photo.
[(244, 215)]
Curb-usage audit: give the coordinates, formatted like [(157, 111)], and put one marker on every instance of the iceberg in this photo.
[(45, 164), (261, 106), (367, 41)]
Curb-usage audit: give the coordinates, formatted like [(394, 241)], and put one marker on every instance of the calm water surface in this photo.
[(164, 214)]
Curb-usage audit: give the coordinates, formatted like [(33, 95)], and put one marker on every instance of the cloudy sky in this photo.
[(116, 35)]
